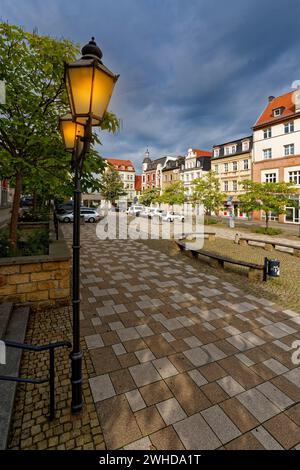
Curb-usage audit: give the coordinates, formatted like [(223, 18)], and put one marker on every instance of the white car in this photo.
[(135, 210), (170, 216), (154, 213)]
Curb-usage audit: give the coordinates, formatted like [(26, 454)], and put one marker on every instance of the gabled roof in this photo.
[(119, 163), (285, 102)]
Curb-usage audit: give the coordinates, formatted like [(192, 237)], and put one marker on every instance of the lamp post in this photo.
[(89, 85)]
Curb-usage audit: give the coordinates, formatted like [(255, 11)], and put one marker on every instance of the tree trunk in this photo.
[(15, 212), (267, 220)]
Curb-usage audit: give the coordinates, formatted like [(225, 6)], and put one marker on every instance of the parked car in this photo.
[(170, 216), (155, 213), (135, 210), (90, 215), (26, 201)]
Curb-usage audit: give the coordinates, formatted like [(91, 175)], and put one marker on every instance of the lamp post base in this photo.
[(76, 380)]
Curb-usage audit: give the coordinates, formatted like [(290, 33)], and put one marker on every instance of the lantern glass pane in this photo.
[(81, 86), (102, 90), (70, 130)]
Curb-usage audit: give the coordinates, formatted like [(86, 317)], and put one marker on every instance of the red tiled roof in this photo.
[(202, 153), (138, 182), (118, 163), (284, 101)]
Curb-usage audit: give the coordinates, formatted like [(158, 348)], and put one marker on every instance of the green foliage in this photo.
[(34, 216), (268, 197), (206, 191), (210, 221), (5, 248), (35, 243), (31, 244), (111, 185), (267, 231), (149, 196), (174, 194)]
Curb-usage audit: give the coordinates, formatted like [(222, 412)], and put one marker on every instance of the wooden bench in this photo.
[(210, 236), (255, 271), (269, 245)]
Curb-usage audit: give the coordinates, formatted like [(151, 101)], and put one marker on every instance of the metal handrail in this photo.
[(51, 379)]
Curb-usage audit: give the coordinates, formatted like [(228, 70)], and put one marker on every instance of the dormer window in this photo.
[(245, 145), (277, 112), (233, 149), (216, 152)]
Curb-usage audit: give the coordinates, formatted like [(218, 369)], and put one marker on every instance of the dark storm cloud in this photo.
[(193, 73)]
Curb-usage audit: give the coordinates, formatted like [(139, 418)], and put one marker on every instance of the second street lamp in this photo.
[(89, 85)]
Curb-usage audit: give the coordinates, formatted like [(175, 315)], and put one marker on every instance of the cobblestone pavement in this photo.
[(30, 427), (178, 356)]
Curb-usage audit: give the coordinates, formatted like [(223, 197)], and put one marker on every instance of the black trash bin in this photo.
[(273, 267)]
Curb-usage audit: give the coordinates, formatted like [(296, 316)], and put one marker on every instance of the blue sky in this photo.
[(193, 73)]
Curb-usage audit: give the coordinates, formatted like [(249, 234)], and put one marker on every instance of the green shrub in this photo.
[(32, 216), (267, 231), (35, 243), (5, 249)]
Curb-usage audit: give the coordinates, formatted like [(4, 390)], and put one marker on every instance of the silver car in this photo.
[(90, 215)]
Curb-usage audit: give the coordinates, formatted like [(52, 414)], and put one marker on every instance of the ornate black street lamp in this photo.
[(89, 86)]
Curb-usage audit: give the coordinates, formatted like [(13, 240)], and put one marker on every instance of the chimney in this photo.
[(271, 98)]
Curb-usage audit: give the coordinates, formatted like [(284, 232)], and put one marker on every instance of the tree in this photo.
[(111, 185), (174, 194), (206, 191), (149, 196), (31, 151), (268, 197)]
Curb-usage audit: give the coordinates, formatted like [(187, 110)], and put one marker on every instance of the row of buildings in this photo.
[(270, 154)]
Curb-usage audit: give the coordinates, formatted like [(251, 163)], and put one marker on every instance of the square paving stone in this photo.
[(118, 422), (155, 392), (145, 355), (223, 427), (149, 420), (197, 377), (285, 431), (144, 374), (195, 434), (104, 360), (135, 400), (258, 404), (122, 381), (144, 331), (231, 386), (214, 392), (140, 444), (119, 349), (165, 367), (127, 334), (192, 341), (187, 393), (101, 387), (212, 371), (94, 341), (171, 411), (166, 439), (197, 356), (293, 376)]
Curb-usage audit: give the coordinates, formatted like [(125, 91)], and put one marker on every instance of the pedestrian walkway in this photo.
[(182, 358)]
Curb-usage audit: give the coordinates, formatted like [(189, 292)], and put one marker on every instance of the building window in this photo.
[(225, 185), (289, 149), (226, 167), (245, 146), (233, 149), (277, 112), (246, 164), (216, 169), (234, 185), (227, 150), (216, 152), (234, 166), (267, 153), (289, 127), (270, 178), (267, 133), (294, 177)]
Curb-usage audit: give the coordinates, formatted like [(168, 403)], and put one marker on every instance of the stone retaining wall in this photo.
[(38, 280)]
